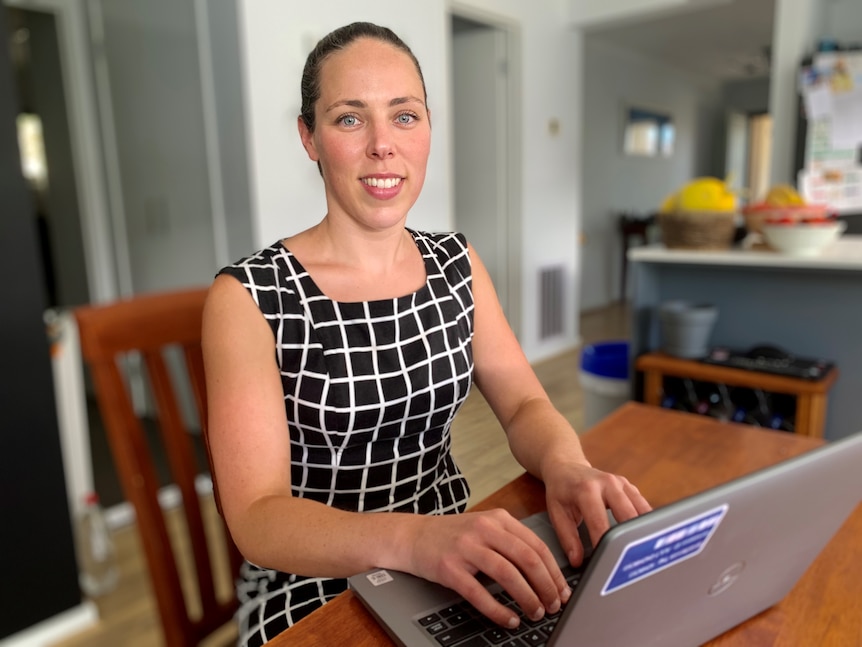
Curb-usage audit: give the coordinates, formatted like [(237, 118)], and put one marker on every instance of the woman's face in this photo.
[(372, 134)]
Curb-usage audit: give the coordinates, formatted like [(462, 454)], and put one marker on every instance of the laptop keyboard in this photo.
[(461, 625)]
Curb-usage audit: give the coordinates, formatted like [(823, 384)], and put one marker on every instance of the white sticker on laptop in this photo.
[(663, 549), (379, 577)]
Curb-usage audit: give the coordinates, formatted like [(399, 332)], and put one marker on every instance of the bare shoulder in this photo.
[(226, 291), (231, 315), (225, 298)]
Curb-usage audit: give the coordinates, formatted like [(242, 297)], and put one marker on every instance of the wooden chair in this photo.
[(148, 325)]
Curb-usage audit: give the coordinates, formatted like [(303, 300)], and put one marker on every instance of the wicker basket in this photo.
[(698, 229)]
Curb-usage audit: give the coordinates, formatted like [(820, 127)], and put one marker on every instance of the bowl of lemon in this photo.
[(702, 214)]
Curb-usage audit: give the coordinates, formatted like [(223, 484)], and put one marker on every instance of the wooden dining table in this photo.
[(670, 455)]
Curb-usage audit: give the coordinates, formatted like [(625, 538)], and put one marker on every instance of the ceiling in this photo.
[(730, 40)]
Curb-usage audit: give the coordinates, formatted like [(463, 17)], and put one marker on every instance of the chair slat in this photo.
[(184, 470)]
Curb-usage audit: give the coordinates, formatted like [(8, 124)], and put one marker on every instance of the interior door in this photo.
[(480, 92), (736, 149)]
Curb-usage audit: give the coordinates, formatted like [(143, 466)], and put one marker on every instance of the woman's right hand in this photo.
[(453, 549)]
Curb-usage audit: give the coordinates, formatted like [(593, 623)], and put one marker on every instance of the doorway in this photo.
[(47, 156), (748, 153), (53, 71), (486, 177)]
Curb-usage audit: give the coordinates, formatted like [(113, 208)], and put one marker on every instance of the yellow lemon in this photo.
[(706, 194), (783, 195)]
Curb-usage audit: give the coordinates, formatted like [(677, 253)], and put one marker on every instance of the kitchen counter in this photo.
[(844, 254), (811, 306)]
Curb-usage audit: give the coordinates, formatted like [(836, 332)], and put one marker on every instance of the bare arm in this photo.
[(251, 455), (541, 439), (251, 452)]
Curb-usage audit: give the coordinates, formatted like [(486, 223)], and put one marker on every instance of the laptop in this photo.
[(677, 576)]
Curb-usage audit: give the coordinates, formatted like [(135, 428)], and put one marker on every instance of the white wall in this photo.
[(843, 21), (286, 189), (586, 13), (230, 141), (614, 182), (150, 50)]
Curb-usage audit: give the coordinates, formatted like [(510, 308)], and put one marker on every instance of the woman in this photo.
[(325, 456)]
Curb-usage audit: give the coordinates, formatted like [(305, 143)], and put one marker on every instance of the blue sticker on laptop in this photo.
[(663, 549)]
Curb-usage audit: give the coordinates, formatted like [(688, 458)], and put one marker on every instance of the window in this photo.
[(647, 133)]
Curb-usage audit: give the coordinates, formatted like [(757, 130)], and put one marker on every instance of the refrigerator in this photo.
[(829, 137)]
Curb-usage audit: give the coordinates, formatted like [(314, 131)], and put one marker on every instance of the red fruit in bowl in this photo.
[(780, 220)]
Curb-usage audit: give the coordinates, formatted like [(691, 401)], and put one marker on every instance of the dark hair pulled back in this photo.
[(336, 41)]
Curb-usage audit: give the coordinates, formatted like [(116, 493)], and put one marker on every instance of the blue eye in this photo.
[(406, 118), (348, 120)]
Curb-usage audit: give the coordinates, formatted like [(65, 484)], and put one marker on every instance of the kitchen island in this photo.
[(811, 306)]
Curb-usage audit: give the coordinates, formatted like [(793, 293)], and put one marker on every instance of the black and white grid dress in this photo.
[(370, 392)]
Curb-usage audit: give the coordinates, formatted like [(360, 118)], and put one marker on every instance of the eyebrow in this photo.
[(356, 103)]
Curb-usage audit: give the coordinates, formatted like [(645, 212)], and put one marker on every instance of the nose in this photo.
[(380, 144)]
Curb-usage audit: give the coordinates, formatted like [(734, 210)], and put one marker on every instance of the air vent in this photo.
[(551, 300)]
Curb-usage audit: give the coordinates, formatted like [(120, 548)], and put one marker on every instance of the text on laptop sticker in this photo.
[(379, 577), (663, 549)]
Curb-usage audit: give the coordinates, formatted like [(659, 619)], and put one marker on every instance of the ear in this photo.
[(307, 138)]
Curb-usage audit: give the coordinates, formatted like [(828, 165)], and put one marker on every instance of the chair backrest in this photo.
[(148, 326)]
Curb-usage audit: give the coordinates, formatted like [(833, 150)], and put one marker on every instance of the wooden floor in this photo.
[(128, 616)]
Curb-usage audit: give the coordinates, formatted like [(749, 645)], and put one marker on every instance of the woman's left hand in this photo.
[(577, 492)]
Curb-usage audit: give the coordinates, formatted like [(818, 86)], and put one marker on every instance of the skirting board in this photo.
[(61, 626)]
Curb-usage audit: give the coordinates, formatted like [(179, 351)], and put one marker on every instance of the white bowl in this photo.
[(803, 239)]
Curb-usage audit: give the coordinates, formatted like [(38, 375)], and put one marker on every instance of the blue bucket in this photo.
[(607, 359)]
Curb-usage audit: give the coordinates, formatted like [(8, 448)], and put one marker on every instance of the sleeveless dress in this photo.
[(370, 392)]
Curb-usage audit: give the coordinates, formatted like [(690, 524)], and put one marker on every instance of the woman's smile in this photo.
[(382, 187)]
